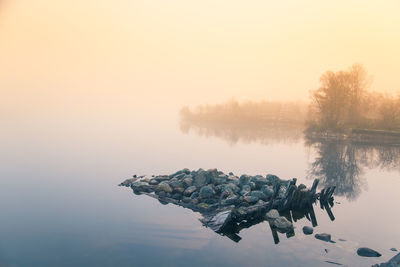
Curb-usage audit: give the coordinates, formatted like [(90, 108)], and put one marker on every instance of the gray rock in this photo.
[(250, 199), (272, 214), (128, 182), (200, 179), (180, 176), (229, 201), (244, 179), (267, 190), (273, 179), (246, 189), (175, 184), (230, 187), (324, 237), (194, 195), (252, 185), (189, 191), (367, 252), (162, 178), (179, 190), (258, 194), (141, 187), (186, 200), (307, 230), (207, 192), (177, 196), (282, 223), (164, 186), (187, 181), (153, 182)]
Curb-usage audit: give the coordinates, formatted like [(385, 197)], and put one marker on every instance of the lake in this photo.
[(61, 205)]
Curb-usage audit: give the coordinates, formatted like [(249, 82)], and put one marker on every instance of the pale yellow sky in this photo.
[(188, 52)]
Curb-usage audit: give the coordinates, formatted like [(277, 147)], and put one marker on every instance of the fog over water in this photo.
[(92, 92)]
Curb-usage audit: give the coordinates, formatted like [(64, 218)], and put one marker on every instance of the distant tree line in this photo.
[(343, 101)]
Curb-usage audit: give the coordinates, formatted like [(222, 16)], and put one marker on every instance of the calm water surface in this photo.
[(61, 206)]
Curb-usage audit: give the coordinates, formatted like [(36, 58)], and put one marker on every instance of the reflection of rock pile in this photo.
[(229, 203)]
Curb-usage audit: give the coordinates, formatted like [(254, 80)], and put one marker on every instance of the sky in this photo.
[(97, 55)]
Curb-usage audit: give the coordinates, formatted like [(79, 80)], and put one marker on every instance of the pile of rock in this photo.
[(223, 198)]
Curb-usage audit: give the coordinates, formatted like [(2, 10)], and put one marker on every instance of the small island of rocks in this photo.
[(230, 203)]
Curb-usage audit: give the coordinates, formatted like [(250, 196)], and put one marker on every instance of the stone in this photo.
[(207, 192), (203, 205), (194, 195), (186, 199), (244, 179), (179, 190), (324, 237), (246, 189), (177, 196), (200, 179), (267, 190), (307, 230), (153, 182), (282, 223), (187, 181), (161, 193), (367, 252), (189, 191), (272, 214), (141, 186), (176, 184), (128, 182), (250, 199), (231, 187), (229, 201), (164, 186), (273, 179), (258, 194), (180, 176)]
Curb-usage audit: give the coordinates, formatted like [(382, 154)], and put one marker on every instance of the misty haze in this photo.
[(199, 133)]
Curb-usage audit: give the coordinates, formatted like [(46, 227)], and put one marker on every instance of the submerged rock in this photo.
[(324, 237), (307, 230), (367, 252)]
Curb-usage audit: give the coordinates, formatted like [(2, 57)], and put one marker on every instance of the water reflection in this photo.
[(342, 163), (243, 131), (337, 162)]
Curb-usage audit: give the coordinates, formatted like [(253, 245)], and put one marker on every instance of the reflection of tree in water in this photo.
[(341, 164)]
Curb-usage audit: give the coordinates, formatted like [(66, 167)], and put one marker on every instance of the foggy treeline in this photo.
[(263, 112), (344, 101), (261, 122)]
